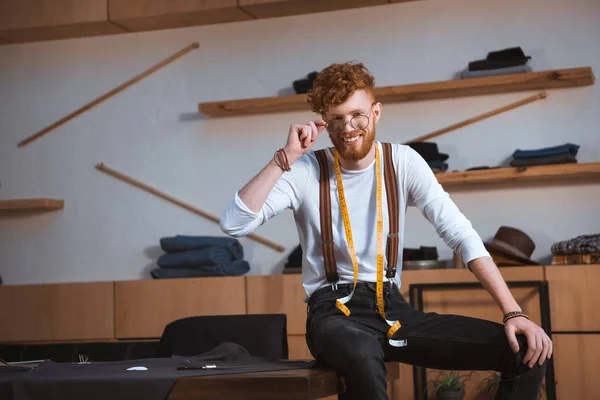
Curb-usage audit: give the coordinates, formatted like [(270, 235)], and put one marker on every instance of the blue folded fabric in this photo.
[(178, 243), (567, 148), (546, 160), (234, 268), (198, 258)]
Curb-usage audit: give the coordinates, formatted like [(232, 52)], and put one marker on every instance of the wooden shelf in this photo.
[(571, 172), (30, 205), (560, 78)]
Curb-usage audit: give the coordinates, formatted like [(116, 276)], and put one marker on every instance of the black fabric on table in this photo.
[(262, 335), (7, 376), (111, 380)]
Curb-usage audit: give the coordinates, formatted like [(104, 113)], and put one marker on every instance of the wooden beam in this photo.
[(109, 94), (496, 111), (552, 79), (180, 203)]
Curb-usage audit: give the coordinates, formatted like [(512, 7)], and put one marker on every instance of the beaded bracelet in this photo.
[(514, 314)]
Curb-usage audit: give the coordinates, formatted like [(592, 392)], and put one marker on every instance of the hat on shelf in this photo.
[(429, 151), (512, 244)]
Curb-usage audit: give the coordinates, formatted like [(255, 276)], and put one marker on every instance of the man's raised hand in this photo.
[(301, 138)]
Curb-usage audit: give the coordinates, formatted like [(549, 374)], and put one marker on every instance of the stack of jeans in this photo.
[(562, 154), (200, 256)]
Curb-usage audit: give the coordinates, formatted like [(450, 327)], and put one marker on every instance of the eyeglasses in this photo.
[(358, 122)]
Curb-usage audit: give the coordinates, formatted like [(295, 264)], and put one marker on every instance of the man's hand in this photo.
[(539, 344), (301, 138)]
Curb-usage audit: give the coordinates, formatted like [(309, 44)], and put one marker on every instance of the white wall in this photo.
[(110, 231)]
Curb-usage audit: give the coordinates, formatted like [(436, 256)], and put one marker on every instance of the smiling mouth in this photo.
[(351, 139)]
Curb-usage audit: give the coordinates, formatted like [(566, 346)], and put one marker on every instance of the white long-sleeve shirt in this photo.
[(298, 190)]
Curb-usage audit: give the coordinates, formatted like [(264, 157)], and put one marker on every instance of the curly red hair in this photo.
[(336, 83)]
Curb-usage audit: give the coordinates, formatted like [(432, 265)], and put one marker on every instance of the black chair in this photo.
[(12, 352), (262, 335)]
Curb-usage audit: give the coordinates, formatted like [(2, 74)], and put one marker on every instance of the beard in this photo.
[(354, 152)]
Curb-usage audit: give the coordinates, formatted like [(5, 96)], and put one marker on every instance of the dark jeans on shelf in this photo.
[(356, 345)]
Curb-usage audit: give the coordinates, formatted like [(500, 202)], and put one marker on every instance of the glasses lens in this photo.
[(335, 126), (360, 122)]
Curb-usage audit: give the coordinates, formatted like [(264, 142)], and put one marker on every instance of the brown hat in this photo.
[(513, 244)]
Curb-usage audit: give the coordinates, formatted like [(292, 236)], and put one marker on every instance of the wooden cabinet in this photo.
[(143, 308), (576, 364), (469, 302), (283, 294), (574, 297), (55, 312), (298, 349), (279, 8), (36, 20), (474, 302), (143, 15)]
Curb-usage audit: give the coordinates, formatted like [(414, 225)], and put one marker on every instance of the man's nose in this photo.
[(348, 127)]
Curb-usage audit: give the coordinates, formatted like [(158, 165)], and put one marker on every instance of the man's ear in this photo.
[(377, 108)]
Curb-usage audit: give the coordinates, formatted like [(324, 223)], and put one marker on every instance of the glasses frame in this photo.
[(344, 123)]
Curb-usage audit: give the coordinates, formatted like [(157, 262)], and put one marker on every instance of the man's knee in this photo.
[(516, 365)]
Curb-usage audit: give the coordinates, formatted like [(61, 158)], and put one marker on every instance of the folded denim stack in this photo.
[(200, 256), (582, 249), (511, 60), (563, 154)]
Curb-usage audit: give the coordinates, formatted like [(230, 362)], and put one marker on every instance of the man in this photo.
[(355, 327)]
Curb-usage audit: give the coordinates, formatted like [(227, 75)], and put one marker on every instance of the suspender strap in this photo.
[(391, 189), (326, 222)]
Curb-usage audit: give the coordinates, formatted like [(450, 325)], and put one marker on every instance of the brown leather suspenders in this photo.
[(391, 188), (326, 224)]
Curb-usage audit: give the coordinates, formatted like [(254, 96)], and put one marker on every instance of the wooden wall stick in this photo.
[(541, 95), (105, 96), (180, 203)]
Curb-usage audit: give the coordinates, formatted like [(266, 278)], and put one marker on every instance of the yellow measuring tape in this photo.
[(340, 303)]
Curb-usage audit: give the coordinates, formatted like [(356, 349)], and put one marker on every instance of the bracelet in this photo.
[(514, 314), (281, 160)]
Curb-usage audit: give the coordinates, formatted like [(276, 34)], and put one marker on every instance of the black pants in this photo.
[(356, 345)]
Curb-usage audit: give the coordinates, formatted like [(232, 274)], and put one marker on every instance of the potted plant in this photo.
[(450, 386), (488, 387)]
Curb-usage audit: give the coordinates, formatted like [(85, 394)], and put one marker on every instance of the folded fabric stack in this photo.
[(200, 256), (303, 85), (294, 262), (562, 154), (582, 249), (511, 60), (429, 152)]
